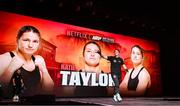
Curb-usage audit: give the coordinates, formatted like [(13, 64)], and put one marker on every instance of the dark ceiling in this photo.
[(143, 19)]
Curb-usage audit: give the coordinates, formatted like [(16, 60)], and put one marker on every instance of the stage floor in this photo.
[(130, 101), (107, 101)]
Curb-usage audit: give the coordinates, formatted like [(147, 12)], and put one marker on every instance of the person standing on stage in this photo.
[(18, 85), (116, 63)]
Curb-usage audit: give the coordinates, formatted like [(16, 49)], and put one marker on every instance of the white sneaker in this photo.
[(118, 97), (16, 98), (115, 98)]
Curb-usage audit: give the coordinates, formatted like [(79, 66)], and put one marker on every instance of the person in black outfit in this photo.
[(116, 63), (18, 84)]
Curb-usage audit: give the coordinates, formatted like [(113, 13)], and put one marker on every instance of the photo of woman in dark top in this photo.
[(91, 55), (137, 81), (32, 67)]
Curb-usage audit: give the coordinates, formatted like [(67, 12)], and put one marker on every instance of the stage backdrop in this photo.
[(62, 49)]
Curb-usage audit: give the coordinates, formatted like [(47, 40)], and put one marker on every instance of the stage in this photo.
[(107, 101)]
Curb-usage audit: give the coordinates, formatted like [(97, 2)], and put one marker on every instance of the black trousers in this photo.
[(17, 90), (116, 79)]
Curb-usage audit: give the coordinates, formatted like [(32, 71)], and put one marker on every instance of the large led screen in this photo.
[(72, 55)]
